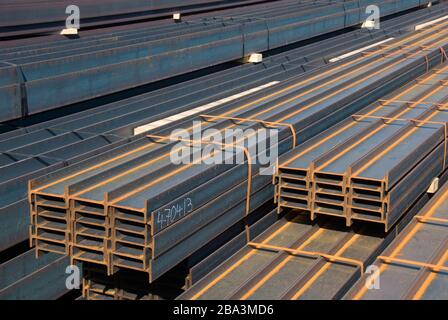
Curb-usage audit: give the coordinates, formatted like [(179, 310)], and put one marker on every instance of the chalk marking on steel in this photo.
[(352, 53), (197, 110)]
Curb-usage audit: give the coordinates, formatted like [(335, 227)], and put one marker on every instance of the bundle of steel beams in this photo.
[(19, 18), (415, 265), (371, 166), (133, 208), (42, 77)]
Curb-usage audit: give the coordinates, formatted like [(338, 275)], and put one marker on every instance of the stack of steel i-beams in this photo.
[(300, 259), (59, 73), (371, 166), (415, 265), (115, 209), (123, 284), (37, 150)]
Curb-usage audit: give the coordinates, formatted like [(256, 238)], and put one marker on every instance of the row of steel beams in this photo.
[(39, 78), (111, 210), (44, 139), (20, 18), (74, 146)]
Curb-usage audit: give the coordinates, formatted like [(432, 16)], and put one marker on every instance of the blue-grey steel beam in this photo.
[(27, 18), (28, 278), (46, 81)]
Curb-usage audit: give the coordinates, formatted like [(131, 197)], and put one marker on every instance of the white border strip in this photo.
[(179, 116), (429, 23), (352, 53)]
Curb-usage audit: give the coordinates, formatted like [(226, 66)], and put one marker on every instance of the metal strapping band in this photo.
[(268, 123), (432, 267), (444, 55), (427, 62), (299, 252), (424, 219)]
